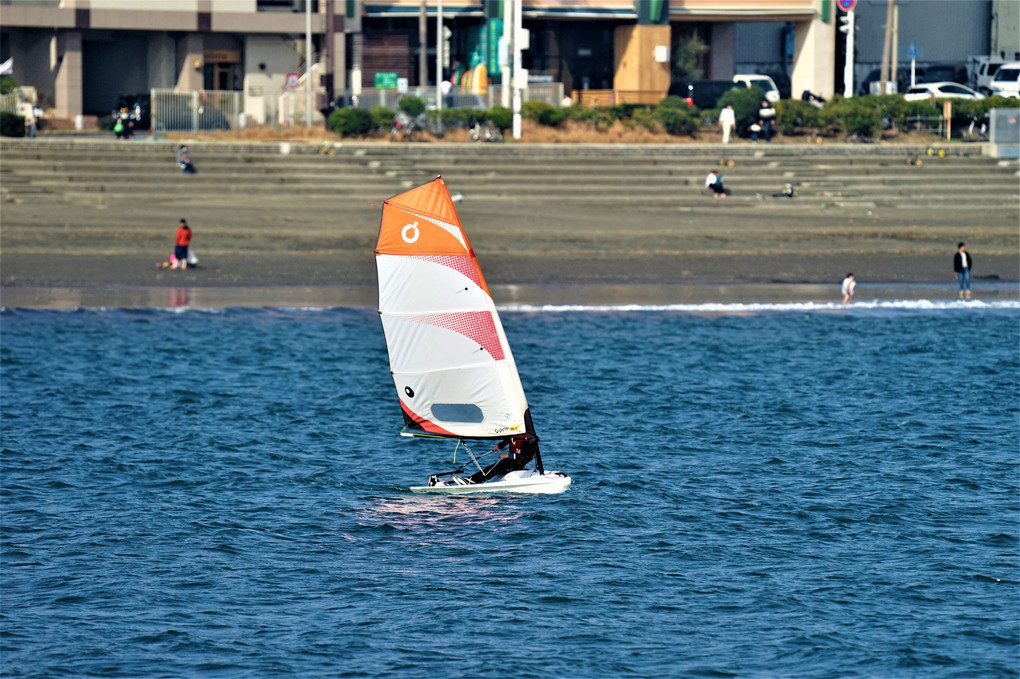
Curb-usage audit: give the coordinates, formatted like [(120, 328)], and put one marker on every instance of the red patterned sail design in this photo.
[(451, 364)]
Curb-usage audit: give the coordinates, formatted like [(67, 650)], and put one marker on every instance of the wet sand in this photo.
[(254, 253)]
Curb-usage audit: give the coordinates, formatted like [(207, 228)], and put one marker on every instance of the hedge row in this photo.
[(863, 117), (671, 115)]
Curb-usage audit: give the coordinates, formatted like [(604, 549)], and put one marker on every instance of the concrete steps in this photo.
[(98, 171)]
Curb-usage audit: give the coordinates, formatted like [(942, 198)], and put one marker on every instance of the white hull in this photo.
[(526, 481)]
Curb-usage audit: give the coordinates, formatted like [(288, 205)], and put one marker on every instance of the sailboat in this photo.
[(449, 357)]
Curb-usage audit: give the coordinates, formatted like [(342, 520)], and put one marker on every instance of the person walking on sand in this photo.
[(727, 121), (962, 264), (181, 246), (849, 285)]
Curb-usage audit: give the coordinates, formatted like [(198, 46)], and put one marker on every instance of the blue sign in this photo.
[(912, 51), (846, 5)]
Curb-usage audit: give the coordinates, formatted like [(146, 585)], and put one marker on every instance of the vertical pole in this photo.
[(885, 48), (504, 54), (518, 26), (439, 56), (330, 32), (848, 68), (423, 38), (308, 63), (894, 76)]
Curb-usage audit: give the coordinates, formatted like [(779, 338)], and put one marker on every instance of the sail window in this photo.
[(457, 412)]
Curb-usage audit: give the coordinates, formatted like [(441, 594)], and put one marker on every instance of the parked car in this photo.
[(902, 80), (762, 82), (942, 90), (982, 70), (939, 73), (1006, 82), (137, 107), (704, 94)]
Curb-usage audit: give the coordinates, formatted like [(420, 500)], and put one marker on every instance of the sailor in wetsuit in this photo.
[(520, 451)]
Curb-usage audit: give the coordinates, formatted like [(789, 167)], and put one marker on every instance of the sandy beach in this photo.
[(62, 253)]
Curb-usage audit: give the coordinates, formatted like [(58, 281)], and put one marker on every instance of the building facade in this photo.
[(81, 54)]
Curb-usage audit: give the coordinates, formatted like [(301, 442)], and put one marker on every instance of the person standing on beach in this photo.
[(181, 246), (849, 285), (962, 264), (727, 121)]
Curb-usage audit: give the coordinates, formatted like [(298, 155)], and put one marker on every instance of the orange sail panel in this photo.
[(451, 364)]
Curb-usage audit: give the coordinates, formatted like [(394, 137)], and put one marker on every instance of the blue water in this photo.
[(788, 491)]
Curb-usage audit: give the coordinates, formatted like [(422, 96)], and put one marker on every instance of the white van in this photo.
[(981, 70), (762, 82), (1006, 82)]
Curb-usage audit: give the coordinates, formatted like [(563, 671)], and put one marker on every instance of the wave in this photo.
[(735, 308), (767, 307)]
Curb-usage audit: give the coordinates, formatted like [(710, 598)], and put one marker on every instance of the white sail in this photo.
[(451, 364)]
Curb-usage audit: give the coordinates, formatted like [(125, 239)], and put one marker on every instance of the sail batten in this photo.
[(449, 357)]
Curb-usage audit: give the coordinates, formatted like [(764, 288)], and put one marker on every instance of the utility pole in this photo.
[(309, 58), (439, 56), (885, 47), (504, 53), (894, 76), (520, 79)]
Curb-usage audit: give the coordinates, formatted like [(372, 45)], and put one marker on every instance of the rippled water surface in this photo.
[(785, 491)]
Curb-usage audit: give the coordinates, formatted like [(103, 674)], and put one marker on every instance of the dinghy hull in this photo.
[(527, 481)]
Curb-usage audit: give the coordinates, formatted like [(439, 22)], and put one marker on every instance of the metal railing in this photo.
[(196, 111), (9, 102), (201, 111), (370, 97)]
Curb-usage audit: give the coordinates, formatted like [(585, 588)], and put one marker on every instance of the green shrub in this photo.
[(624, 111), (677, 121), (460, 117), (543, 113), (8, 84), (793, 115), (645, 118), (501, 117), (411, 105), (855, 116), (382, 117), (976, 109), (598, 118), (351, 122), (746, 104), (12, 125), (673, 101), (892, 108), (917, 109)]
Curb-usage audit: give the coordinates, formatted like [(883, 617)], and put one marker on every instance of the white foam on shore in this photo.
[(765, 307)]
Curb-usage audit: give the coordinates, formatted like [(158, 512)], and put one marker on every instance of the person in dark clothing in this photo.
[(184, 161), (962, 264), (520, 451)]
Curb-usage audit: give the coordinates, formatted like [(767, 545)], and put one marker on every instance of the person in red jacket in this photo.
[(181, 246)]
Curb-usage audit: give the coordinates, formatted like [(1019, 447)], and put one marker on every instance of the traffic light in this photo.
[(846, 22)]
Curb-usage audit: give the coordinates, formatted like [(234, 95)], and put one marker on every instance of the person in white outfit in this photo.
[(727, 121), (849, 285)]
